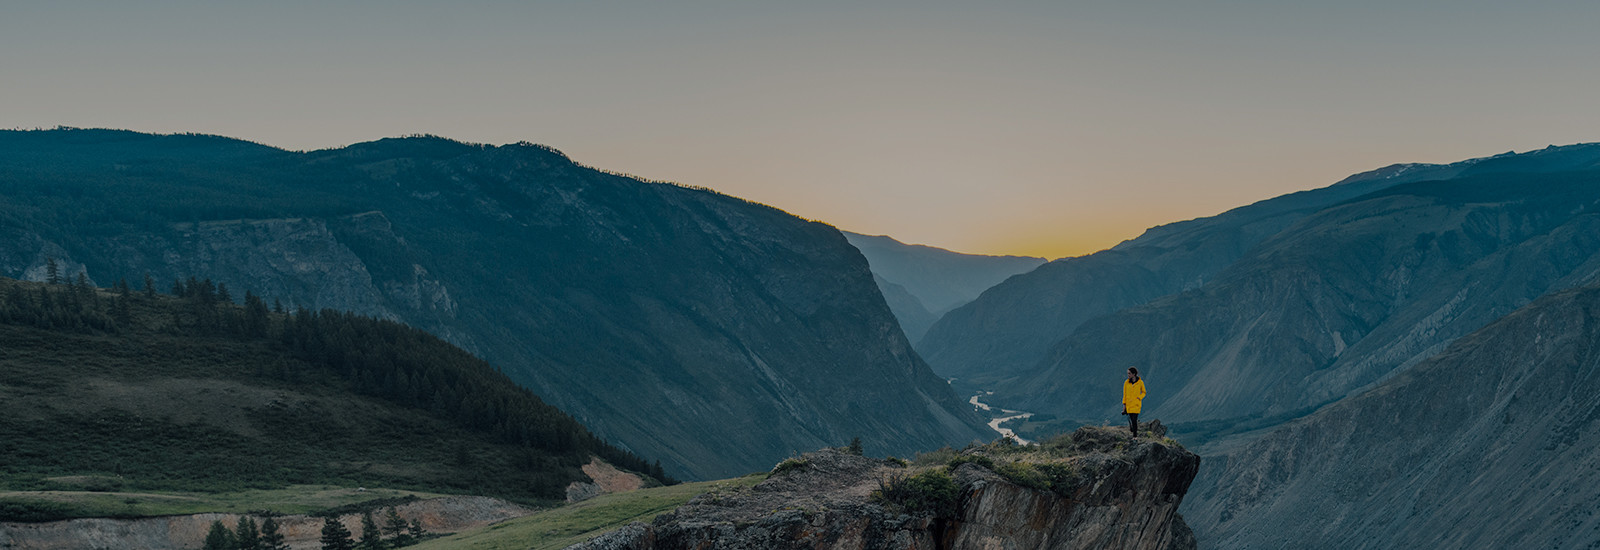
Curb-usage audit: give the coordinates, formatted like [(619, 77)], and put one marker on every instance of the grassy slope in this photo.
[(294, 499), (561, 527), (209, 423)]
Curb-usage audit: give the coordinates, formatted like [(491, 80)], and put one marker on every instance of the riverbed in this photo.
[(1005, 415)]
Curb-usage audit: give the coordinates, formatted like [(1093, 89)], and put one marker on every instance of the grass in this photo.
[(295, 499), (561, 527)]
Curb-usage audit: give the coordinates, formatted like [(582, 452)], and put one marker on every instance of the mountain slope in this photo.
[(913, 316), (141, 392), (940, 279), (1494, 443), (1012, 327), (1341, 300), (712, 333)]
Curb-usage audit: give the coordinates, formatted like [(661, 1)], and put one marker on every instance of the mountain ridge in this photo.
[(670, 319)]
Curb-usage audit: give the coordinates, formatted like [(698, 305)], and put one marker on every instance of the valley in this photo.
[(739, 337)]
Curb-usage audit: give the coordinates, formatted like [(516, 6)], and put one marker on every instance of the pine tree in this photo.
[(395, 526), (149, 286), (249, 538), (220, 538), (223, 295), (335, 536), (371, 537), (52, 271), (271, 539), (855, 447), (417, 532)]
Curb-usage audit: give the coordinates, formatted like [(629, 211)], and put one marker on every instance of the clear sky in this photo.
[(1041, 128)]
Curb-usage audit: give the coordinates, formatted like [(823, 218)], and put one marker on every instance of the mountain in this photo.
[(1013, 326), (714, 334), (939, 279), (914, 317), (1342, 299), (1493, 443), (141, 392)]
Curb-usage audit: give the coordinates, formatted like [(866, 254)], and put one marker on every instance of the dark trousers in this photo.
[(1133, 424)]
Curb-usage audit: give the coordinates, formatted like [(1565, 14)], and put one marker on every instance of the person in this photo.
[(1132, 396)]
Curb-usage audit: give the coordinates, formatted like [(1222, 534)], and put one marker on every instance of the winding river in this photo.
[(1006, 414)]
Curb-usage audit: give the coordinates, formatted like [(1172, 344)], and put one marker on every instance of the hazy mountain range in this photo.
[(922, 282), (1301, 341), (711, 333)]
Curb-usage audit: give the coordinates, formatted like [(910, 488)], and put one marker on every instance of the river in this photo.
[(1006, 414)]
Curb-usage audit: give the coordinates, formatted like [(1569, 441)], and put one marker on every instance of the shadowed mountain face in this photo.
[(1342, 299), (1494, 443), (938, 279), (914, 318), (1013, 326), (711, 333)]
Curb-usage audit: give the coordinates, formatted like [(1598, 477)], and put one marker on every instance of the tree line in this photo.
[(374, 357), (395, 532)]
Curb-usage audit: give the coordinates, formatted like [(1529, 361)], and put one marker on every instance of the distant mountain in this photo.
[(913, 316), (1013, 327), (714, 334), (1493, 443), (939, 279), (1340, 300), (136, 393)]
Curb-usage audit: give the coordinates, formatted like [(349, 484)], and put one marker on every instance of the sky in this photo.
[(1039, 128)]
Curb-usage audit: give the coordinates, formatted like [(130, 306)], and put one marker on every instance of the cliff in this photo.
[(1094, 488)]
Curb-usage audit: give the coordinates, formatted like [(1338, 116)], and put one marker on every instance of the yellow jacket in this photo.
[(1132, 395)]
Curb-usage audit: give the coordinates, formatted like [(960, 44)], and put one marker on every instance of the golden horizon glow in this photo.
[(1035, 128)]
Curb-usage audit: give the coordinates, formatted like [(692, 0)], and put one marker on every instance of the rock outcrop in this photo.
[(1121, 493)]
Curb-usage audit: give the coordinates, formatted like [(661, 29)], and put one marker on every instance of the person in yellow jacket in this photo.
[(1132, 395)]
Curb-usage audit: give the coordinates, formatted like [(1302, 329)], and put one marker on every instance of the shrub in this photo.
[(980, 460), (1063, 477), (897, 462), (932, 491), (1024, 474), (934, 458), (790, 464)]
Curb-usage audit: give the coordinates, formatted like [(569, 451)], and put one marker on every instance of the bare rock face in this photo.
[(1124, 494), (603, 479)]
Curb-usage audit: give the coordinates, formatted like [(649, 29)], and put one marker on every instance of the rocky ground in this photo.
[(1103, 490)]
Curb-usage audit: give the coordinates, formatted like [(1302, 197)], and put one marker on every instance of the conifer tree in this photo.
[(52, 272), (220, 537), (149, 286), (249, 538), (417, 532), (371, 537), (271, 539), (855, 447), (395, 526), (335, 536)]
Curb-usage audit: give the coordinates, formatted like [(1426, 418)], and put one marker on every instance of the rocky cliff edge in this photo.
[(1094, 488)]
